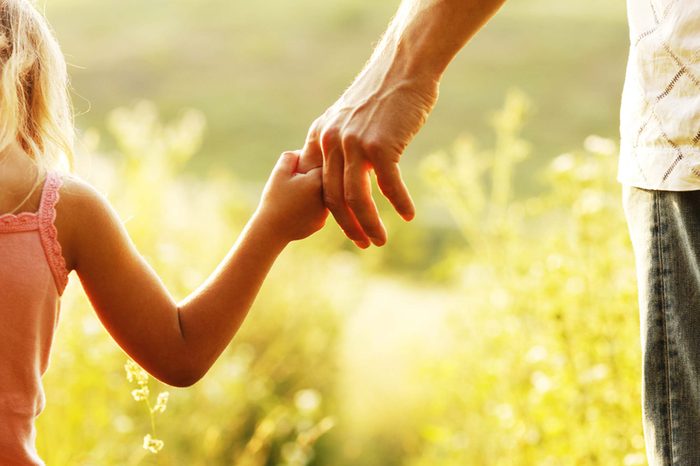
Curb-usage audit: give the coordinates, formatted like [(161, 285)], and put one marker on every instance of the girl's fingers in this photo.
[(287, 163)]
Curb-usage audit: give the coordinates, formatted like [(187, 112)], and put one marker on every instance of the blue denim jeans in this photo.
[(665, 231)]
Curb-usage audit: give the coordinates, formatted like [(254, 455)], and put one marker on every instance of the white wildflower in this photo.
[(140, 394), (152, 444), (135, 374), (161, 402)]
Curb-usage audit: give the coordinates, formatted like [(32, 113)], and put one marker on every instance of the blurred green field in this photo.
[(517, 346), (261, 72), (498, 329)]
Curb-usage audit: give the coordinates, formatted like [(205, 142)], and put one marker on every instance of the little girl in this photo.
[(52, 223)]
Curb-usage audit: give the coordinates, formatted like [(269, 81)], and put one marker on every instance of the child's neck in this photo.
[(18, 175)]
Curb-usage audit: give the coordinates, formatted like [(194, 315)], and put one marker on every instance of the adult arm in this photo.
[(178, 342), (371, 124)]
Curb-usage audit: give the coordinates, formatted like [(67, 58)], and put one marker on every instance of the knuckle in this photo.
[(353, 200), (330, 138), (316, 124), (371, 146), (315, 130), (350, 139), (312, 137), (331, 201)]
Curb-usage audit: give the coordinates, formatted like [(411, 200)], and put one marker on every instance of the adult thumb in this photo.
[(311, 157)]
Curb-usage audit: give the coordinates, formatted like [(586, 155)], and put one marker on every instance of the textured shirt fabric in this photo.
[(33, 276), (660, 112)]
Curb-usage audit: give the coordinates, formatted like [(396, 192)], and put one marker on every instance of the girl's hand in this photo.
[(292, 205), (178, 342)]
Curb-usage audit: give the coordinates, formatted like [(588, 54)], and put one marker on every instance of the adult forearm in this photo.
[(425, 35)]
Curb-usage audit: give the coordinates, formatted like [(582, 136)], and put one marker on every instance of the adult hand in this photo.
[(366, 130), (369, 127)]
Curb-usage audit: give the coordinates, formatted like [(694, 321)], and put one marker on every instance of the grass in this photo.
[(523, 349)]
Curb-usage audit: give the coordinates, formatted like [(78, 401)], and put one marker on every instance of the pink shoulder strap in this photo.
[(47, 230)]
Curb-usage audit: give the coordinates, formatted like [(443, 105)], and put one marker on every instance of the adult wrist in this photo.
[(414, 60), (394, 65)]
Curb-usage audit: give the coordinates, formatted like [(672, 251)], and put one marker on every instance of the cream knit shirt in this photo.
[(660, 113)]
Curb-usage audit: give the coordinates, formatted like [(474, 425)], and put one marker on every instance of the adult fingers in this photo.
[(311, 154), (358, 197), (392, 186), (334, 198), (311, 157)]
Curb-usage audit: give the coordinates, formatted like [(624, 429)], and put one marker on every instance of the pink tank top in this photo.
[(33, 276)]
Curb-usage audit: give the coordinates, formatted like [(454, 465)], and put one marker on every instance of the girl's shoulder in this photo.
[(75, 192), (81, 210)]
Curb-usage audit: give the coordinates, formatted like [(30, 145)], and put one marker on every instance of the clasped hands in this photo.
[(365, 131)]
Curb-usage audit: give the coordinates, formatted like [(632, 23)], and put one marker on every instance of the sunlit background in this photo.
[(498, 328)]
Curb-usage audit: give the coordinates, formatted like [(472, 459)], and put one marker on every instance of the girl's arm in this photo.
[(178, 343)]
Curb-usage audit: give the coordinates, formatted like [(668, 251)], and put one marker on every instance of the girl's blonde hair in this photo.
[(35, 109)]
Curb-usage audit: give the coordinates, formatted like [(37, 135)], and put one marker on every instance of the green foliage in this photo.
[(525, 351), (545, 368), (506, 334), (266, 401)]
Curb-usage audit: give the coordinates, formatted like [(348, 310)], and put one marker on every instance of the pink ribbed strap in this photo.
[(47, 230), (11, 223)]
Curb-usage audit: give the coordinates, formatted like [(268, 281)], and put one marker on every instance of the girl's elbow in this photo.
[(186, 368), (182, 381), (183, 371), (183, 377)]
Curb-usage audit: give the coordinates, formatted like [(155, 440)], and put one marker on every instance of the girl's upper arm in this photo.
[(127, 295)]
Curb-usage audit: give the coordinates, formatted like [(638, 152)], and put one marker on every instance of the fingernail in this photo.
[(378, 241), (362, 244)]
